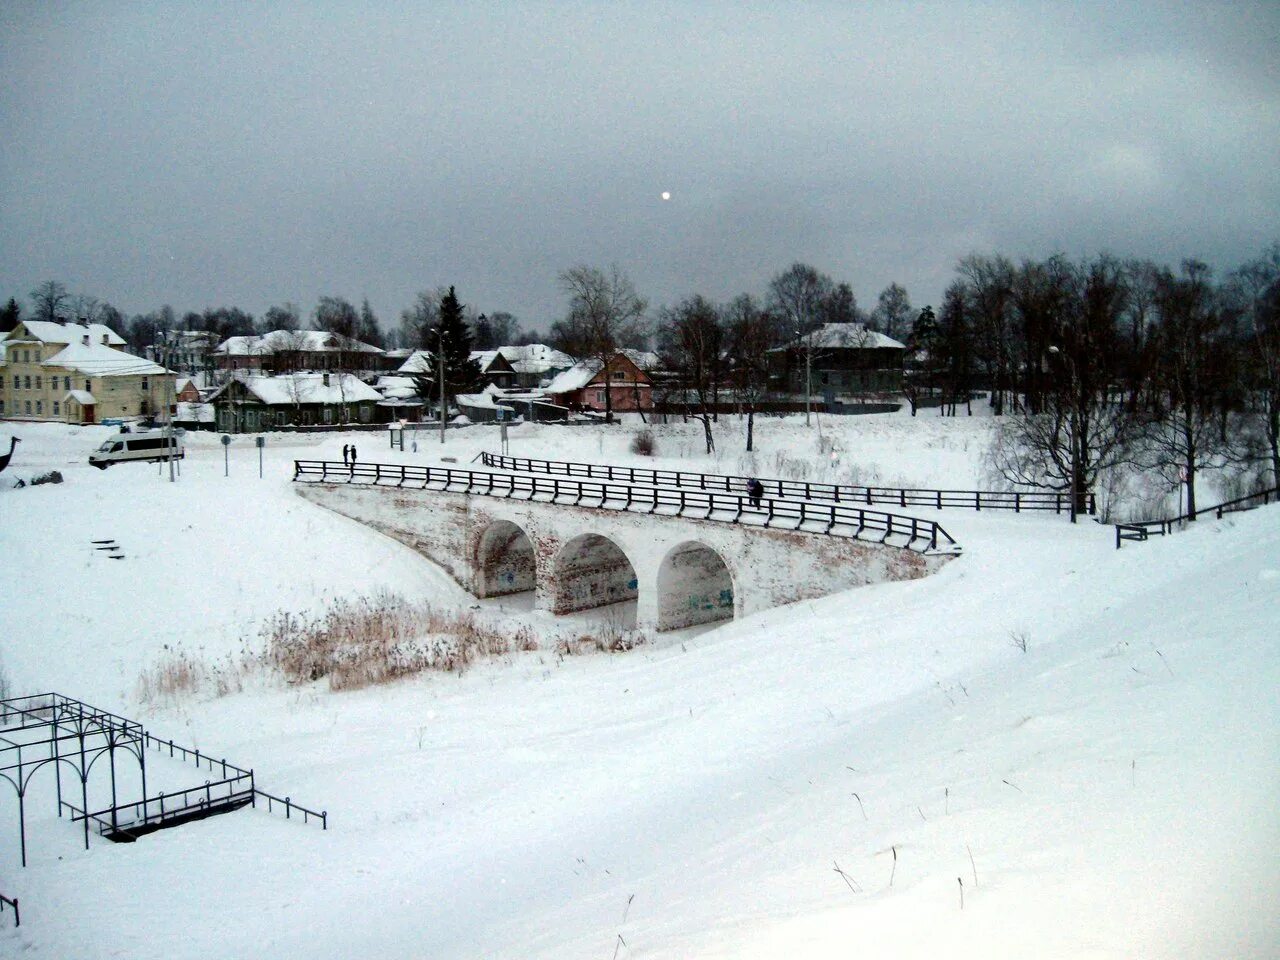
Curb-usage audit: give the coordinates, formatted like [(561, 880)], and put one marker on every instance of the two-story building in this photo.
[(839, 359), (583, 386), (287, 351), (76, 373)]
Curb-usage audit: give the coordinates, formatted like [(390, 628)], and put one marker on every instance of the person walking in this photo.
[(353, 455), (346, 455), (755, 490)]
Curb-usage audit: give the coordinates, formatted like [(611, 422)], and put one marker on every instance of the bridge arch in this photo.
[(694, 586), (591, 571), (505, 561)]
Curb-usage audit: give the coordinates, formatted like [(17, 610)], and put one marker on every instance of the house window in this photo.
[(144, 384), (618, 374), (280, 415), (37, 355), (57, 409), (39, 407), (26, 356), (86, 387), (38, 385), (66, 383), (26, 382), (328, 414)]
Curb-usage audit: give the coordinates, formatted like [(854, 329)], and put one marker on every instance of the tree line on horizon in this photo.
[(1091, 363)]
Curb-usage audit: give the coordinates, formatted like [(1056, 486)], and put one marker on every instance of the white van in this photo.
[(129, 447)]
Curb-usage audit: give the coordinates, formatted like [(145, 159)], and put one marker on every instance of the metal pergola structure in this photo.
[(50, 729)]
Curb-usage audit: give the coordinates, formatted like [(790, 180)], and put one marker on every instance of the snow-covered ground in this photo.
[(1109, 792)]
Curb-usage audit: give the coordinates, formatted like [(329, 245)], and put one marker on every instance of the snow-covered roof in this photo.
[(396, 388), (82, 397), (52, 332), (576, 377), (182, 383), (420, 361), (536, 358), (102, 361), (310, 388), (309, 341), (195, 412), (644, 359), (831, 336), (480, 401)]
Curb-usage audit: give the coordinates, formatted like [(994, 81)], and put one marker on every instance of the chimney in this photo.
[(85, 339), (326, 379), (104, 340)]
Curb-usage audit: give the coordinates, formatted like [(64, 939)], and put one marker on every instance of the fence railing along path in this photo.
[(1140, 530), (830, 519), (1017, 501), (12, 902)]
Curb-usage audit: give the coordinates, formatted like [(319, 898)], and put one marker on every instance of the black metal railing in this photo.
[(1017, 501), (1140, 530), (12, 902), (127, 819), (732, 507), (290, 808)]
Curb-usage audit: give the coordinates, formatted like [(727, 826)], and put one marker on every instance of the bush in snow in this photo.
[(643, 443)]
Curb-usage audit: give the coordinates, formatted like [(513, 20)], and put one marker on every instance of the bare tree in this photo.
[(604, 312), (798, 296), (893, 313), (1194, 381), (419, 322), (284, 316), (990, 283), (751, 333), (1078, 429), (691, 343), (1256, 288), (50, 301)]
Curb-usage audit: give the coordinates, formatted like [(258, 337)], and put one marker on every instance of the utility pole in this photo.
[(440, 353), (170, 399)]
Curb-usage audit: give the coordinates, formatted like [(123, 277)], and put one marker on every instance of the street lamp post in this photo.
[(443, 408)]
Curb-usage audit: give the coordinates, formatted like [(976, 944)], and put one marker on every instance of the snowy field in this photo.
[(1109, 792)]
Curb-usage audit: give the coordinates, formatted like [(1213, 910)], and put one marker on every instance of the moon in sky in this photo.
[(666, 194)]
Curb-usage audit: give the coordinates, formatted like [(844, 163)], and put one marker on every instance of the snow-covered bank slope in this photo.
[(1115, 783)]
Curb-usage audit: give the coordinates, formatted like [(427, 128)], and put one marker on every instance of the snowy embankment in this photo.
[(1108, 792)]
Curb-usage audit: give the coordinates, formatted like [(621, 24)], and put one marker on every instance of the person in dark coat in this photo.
[(755, 490), (346, 455), (353, 455)]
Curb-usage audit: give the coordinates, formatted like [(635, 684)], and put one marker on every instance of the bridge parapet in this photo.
[(681, 565)]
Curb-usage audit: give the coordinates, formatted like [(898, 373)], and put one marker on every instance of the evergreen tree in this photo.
[(10, 315), (370, 332), (452, 338)]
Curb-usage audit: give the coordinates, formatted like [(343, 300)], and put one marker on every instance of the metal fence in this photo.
[(1017, 501), (731, 507)]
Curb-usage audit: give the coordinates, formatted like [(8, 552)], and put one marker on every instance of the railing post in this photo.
[(287, 808)]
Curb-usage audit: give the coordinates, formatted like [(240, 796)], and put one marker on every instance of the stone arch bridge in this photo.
[(679, 570)]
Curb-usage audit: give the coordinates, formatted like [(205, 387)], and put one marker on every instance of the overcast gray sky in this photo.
[(236, 154)]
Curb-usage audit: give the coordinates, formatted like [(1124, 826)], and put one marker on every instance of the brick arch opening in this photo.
[(505, 562), (591, 571), (694, 587)]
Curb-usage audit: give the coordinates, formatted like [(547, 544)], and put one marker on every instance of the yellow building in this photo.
[(76, 373)]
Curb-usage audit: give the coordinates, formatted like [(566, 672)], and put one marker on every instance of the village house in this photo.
[(582, 386), (286, 351), (76, 373), (249, 404), (842, 359)]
